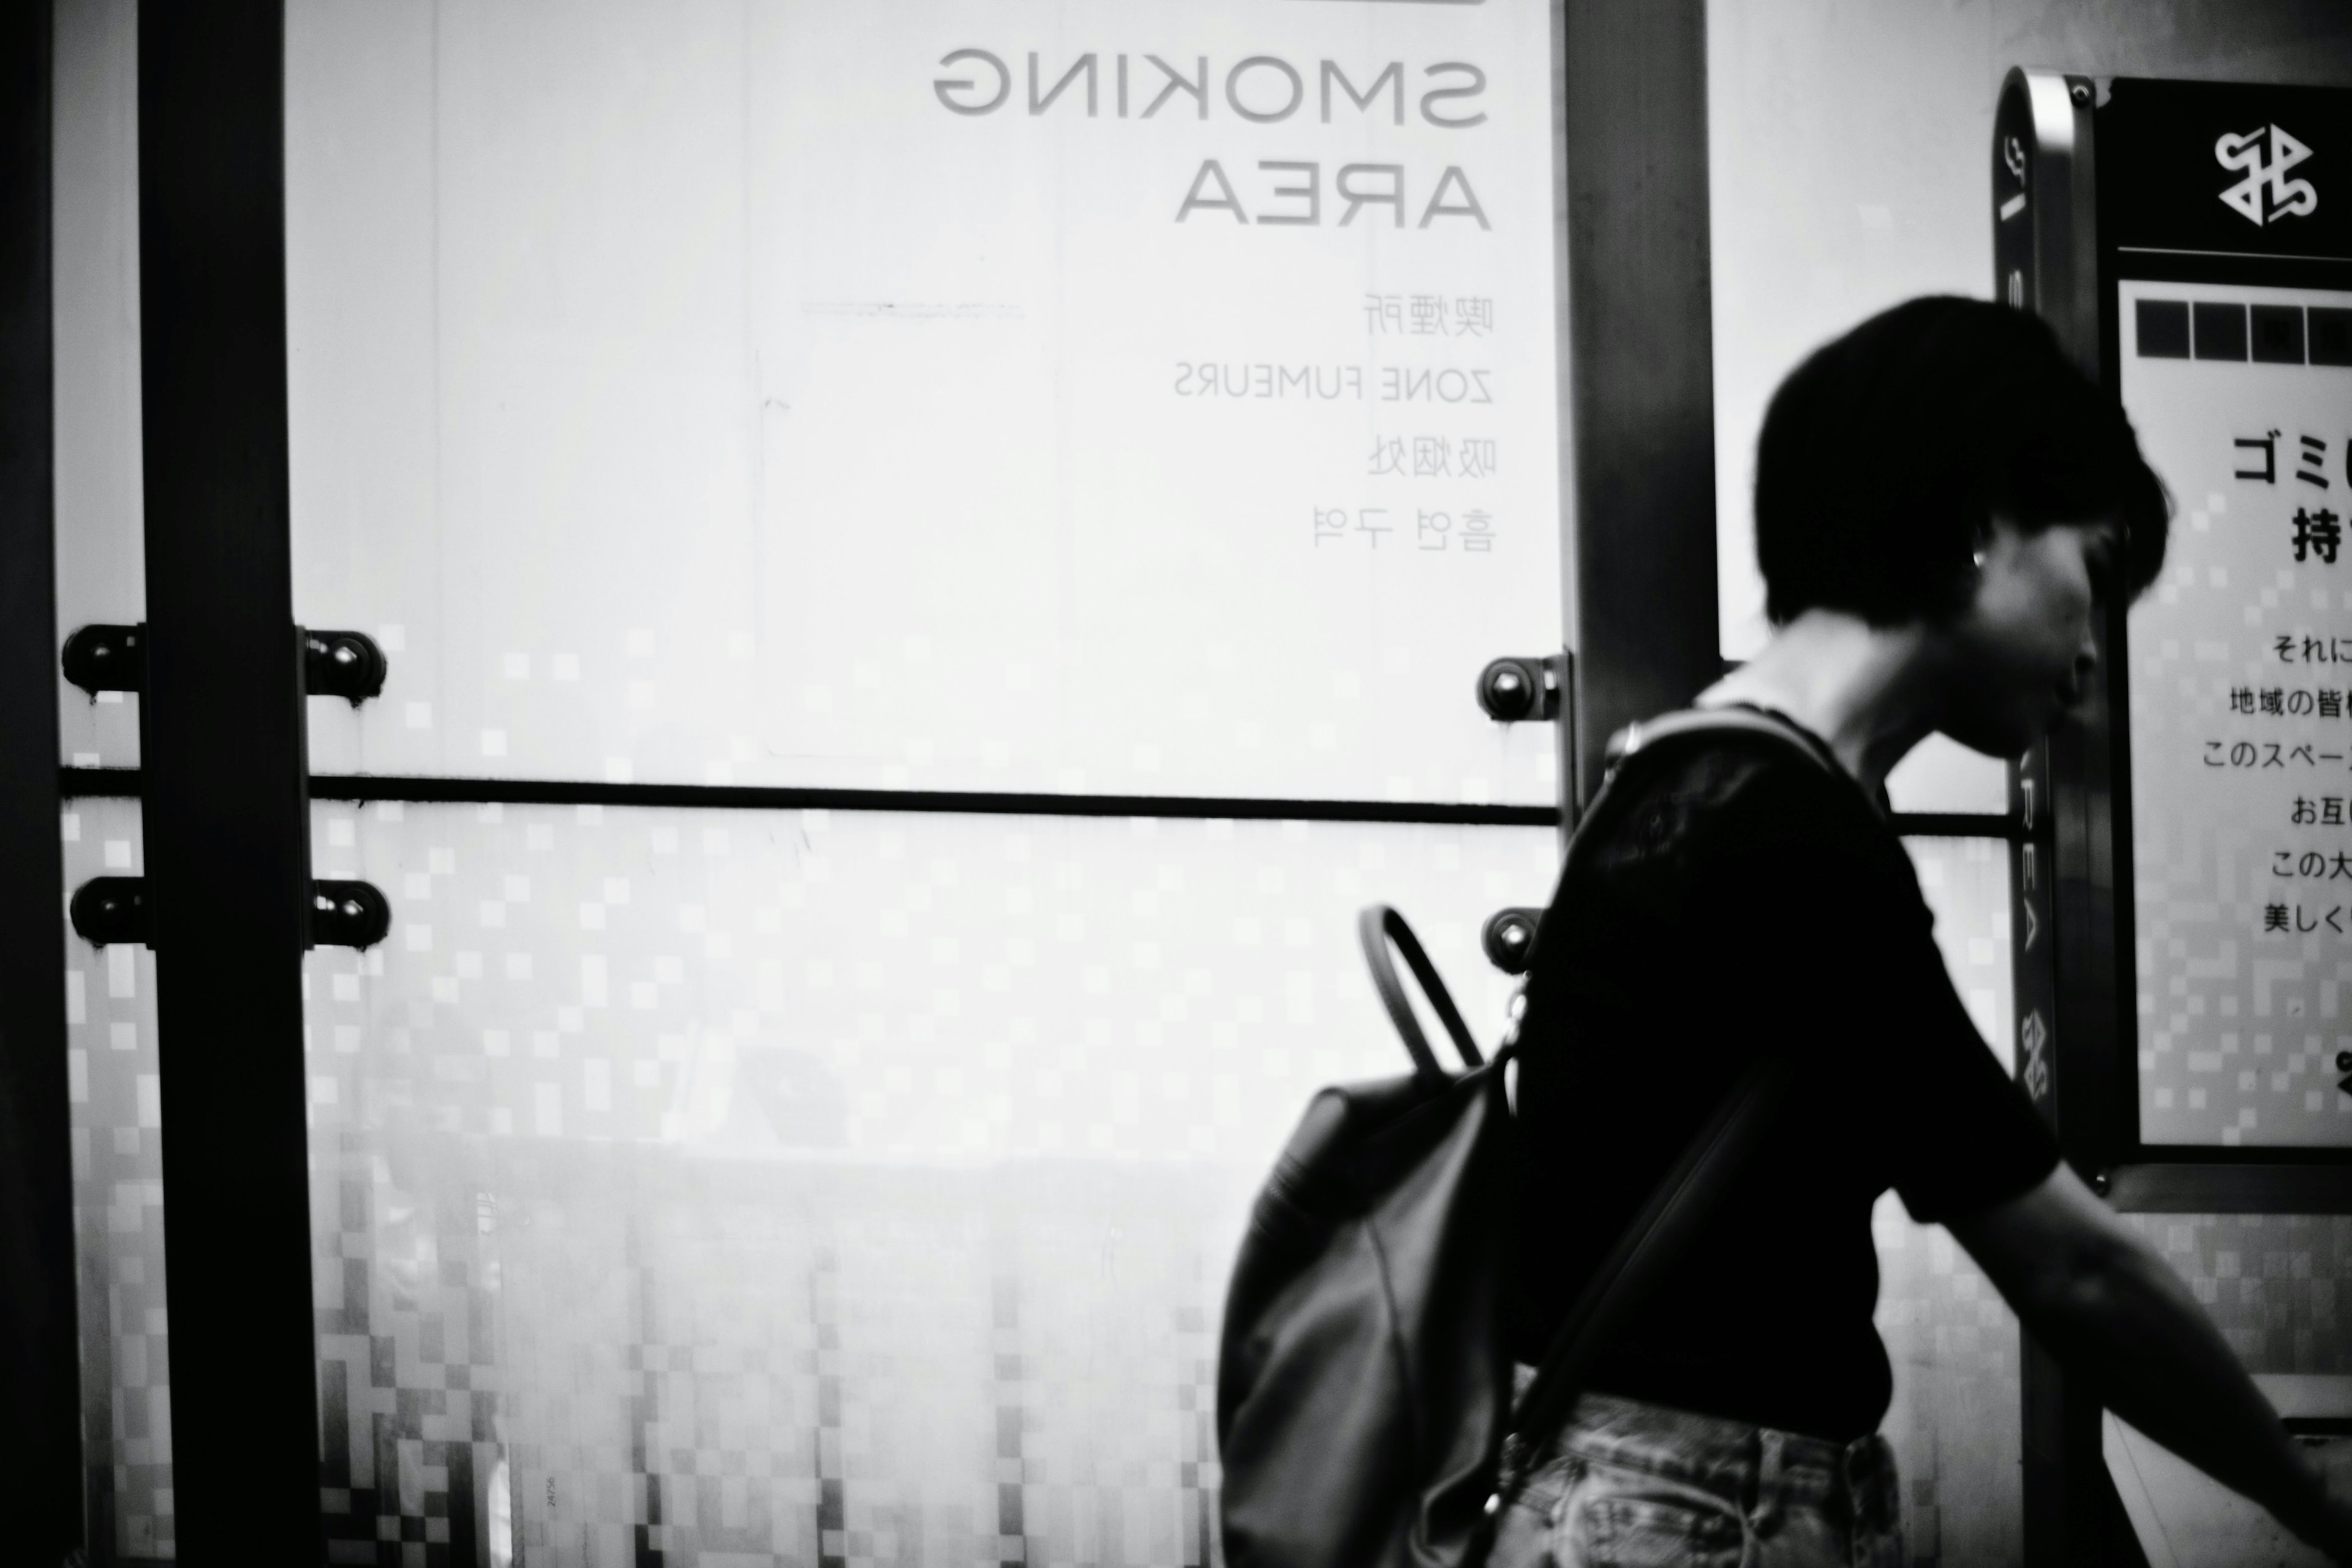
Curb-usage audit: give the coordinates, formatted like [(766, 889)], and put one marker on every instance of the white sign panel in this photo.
[(2242, 715), (1037, 397), (1159, 383)]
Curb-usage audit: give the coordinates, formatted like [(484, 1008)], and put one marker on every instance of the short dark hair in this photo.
[(1885, 455)]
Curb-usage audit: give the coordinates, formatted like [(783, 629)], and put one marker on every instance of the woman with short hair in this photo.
[(1943, 503)]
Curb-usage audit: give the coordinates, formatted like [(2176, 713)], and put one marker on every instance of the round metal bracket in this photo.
[(348, 914), (106, 658), (342, 664), (1509, 937), (1514, 689), (108, 910)]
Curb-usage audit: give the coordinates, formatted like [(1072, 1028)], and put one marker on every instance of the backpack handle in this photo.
[(1376, 927)]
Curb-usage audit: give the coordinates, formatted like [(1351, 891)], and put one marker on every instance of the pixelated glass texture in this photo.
[(744, 1182), (808, 1187), (115, 1096), (861, 1187)]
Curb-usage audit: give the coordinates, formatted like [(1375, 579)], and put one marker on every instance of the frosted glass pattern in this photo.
[(1965, 884), (102, 568), (848, 1184), (739, 1141), (1952, 1340), (703, 393), (1944, 775), (1953, 1423), (2275, 1285), (823, 1185), (118, 1171)]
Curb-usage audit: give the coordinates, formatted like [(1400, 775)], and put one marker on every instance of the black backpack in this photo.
[(1364, 1408)]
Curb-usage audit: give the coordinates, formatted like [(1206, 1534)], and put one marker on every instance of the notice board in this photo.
[(2231, 341)]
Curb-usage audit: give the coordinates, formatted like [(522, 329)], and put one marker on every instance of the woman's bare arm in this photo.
[(2115, 1314)]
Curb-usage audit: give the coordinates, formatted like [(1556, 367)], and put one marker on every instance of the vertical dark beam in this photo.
[(227, 839), (1641, 343), (40, 1416), (2045, 260)]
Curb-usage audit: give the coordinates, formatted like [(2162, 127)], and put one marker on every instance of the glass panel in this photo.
[(2238, 731), (1954, 1420), (1966, 883), (118, 1168), (1953, 1342), (706, 394), (805, 1183), (1944, 775), (1814, 227), (2274, 1283), (101, 545)]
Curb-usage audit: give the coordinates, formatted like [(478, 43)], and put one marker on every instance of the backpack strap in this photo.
[(1649, 735), (1708, 1166), (1633, 737), (1714, 1160)]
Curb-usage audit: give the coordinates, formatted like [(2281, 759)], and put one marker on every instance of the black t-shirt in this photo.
[(1749, 899)]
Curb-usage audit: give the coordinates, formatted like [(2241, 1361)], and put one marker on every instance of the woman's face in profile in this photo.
[(2020, 653)]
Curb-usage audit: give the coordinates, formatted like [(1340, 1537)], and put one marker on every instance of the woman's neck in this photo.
[(1867, 692)]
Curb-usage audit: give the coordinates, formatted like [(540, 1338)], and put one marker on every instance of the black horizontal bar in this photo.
[(988, 803), (2229, 271), (1956, 824), (2269, 1181), (2228, 255), (124, 783), (100, 784)]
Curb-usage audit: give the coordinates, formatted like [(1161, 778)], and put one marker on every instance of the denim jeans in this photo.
[(1630, 1485)]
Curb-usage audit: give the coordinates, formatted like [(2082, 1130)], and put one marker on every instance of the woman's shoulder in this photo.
[(1706, 798)]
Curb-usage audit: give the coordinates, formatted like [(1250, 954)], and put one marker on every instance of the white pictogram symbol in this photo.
[(2012, 158), (2035, 1038), (2285, 196)]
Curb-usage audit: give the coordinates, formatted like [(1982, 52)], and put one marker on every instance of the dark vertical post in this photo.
[(40, 1416), (2045, 260), (227, 839), (1642, 381)]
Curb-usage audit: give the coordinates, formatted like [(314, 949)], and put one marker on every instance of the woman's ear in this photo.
[(1980, 541)]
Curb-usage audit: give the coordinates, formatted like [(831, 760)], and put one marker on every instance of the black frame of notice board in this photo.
[(2062, 239), (2095, 182)]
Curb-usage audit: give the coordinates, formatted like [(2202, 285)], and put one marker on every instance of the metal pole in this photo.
[(40, 1416), (226, 835), (2045, 260), (1643, 376)]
